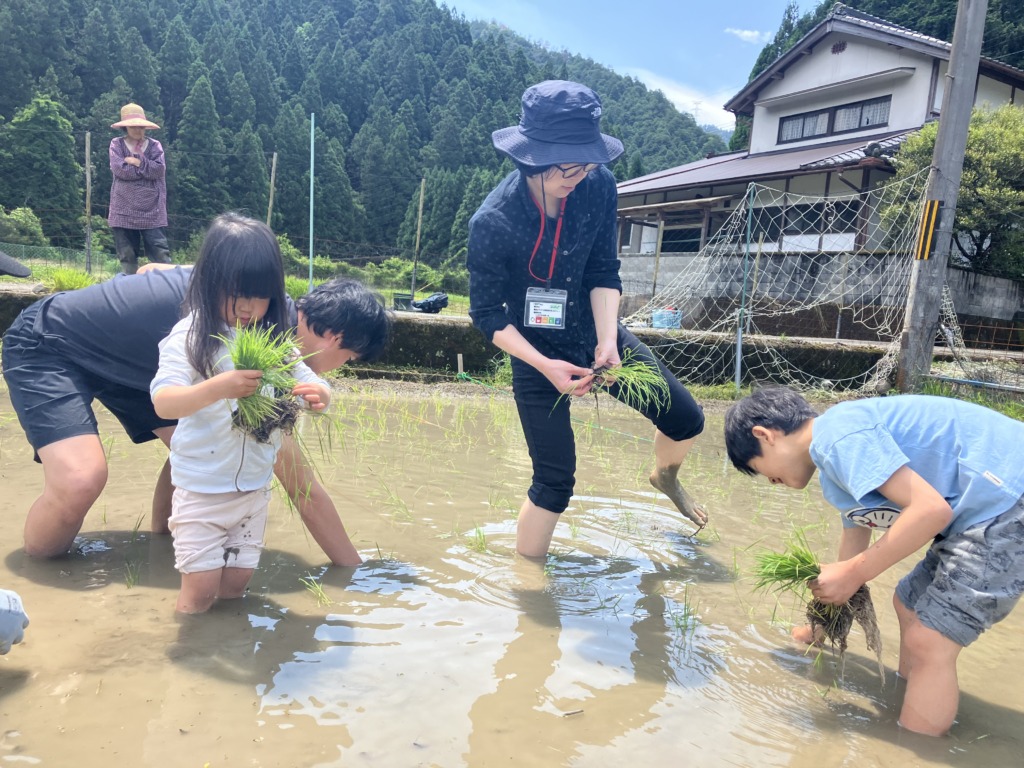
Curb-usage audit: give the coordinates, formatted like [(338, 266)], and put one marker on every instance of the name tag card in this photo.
[(545, 308)]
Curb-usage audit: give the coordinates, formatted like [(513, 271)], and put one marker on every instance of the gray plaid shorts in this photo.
[(968, 582)]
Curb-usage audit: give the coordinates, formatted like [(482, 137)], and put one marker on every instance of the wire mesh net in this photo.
[(786, 271)]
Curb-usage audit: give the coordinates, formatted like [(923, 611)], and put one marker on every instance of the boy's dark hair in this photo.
[(770, 407), (239, 258), (347, 307)]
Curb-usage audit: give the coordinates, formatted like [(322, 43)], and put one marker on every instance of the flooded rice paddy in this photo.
[(636, 644)]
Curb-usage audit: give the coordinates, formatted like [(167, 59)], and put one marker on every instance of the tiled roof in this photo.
[(742, 166)]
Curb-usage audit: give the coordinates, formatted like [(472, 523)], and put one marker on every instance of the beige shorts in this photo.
[(218, 530)]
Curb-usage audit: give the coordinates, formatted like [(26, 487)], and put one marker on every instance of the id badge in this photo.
[(545, 308)]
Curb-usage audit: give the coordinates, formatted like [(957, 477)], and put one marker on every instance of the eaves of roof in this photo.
[(744, 167), (856, 23)]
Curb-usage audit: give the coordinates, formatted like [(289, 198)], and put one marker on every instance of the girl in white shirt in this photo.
[(220, 473)]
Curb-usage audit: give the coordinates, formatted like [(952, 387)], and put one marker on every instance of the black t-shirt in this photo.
[(113, 329)]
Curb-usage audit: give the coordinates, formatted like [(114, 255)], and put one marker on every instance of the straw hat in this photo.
[(132, 115), (560, 123)]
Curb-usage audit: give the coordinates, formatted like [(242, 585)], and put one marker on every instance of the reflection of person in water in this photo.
[(539, 682)]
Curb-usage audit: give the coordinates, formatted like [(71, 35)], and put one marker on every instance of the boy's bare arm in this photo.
[(924, 514)]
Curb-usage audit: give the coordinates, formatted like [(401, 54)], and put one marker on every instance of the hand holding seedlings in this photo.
[(567, 378), (317, 396), (232, 385), (640, 382), (836, 583)]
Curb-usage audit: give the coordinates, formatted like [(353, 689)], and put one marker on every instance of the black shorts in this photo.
[(53, 397)]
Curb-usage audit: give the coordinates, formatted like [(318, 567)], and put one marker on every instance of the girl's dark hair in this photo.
[(347, 307), (770, 407), (239, 258)]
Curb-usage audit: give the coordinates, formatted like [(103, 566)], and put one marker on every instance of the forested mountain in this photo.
[(400, 90), (1004, 32)]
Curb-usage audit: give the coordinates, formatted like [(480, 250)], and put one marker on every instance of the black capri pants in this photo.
[(544, 415)]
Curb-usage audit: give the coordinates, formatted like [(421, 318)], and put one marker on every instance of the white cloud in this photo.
[(706, 108), (751, 35)]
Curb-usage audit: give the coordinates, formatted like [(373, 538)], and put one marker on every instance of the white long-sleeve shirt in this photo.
[(208, 453)]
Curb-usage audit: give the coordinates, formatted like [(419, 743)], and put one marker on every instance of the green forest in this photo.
[(398, 91)]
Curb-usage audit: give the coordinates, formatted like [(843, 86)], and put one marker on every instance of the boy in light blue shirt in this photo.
[(924, 469)]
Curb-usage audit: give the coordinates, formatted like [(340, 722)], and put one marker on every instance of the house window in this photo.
[(829, 217), (803, 126), (681, 240), (842, 119)]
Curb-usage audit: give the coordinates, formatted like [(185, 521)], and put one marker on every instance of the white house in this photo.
[(826, 116)]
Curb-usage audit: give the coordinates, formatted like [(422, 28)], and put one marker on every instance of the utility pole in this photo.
[(419, 226), (312, 179), (928, 274)]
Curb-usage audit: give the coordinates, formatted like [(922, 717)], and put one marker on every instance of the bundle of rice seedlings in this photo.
[(272, 406), (791, 570), (640, 382)]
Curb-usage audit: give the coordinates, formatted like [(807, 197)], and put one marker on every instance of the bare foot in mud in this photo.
[(666, 480)]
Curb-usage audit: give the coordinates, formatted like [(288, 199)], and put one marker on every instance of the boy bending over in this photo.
[(949, 472)]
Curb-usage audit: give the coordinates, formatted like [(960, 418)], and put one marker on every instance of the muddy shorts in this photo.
[(218, 530), (968, 582)]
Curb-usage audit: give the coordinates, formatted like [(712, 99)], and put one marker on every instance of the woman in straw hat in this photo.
[(545, 288), (138, 194)]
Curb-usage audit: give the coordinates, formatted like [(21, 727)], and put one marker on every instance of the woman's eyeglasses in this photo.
[(572, 171)]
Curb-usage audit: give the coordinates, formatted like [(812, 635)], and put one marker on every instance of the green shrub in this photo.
[(21, 226), (68, 279), (296, 287)]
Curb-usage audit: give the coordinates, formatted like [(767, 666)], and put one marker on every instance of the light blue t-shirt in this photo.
[(973, 456)]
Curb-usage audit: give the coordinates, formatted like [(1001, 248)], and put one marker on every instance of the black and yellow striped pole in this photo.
[(926, 232)]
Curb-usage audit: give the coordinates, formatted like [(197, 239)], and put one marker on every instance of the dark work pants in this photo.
[(129, 244), (548, 430)]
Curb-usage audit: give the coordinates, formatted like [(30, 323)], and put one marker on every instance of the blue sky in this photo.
[(699, 54)]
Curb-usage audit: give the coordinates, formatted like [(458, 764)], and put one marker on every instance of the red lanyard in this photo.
[(554, 248)]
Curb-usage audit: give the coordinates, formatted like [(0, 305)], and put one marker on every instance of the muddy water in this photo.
[(638, 643)]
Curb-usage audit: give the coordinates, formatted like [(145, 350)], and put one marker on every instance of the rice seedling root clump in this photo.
[(285, 414)]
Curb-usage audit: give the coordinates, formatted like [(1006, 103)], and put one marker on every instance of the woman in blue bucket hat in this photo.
[(544, 287)]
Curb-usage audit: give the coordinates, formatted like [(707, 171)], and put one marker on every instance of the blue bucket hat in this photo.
[(559, 124), (13, 267)]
